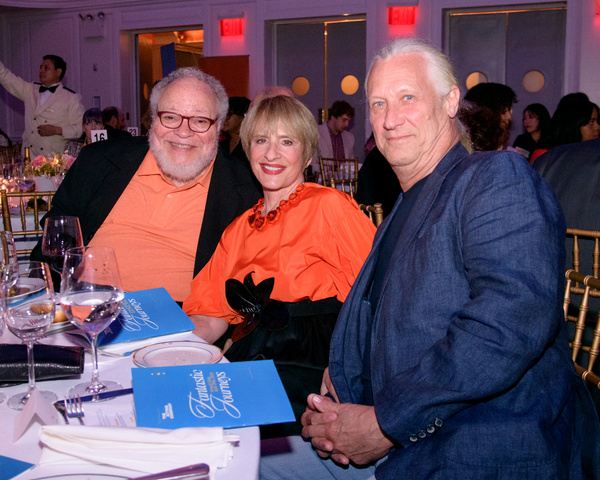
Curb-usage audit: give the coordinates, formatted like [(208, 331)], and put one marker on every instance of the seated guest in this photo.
[(297, 252), (575, 120), (238, 106), (449, 359), (114, 122), (163, 210), (377, 182), (536, 121), (92, 120)]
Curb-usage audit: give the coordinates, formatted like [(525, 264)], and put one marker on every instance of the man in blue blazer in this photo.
[(449, 359)]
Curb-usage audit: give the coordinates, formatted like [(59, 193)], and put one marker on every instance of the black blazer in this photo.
[(103, 170)]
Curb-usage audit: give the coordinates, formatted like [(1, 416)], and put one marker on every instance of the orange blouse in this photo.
[(314, 245)]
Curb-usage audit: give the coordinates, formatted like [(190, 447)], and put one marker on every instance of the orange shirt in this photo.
[(154, 229), (314, 250)]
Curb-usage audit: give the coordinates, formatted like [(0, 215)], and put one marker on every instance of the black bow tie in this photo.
[(51, 89)]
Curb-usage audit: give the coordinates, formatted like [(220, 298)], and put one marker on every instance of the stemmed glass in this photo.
[(22, 178), (9, 271), (91, 296), (60, 234), (28, 315)]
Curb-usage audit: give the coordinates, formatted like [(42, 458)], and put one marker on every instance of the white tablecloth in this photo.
[(244, 464)]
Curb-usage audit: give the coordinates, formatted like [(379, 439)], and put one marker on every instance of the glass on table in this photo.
[(60, 234), (29, 311), (9, 271), (22, 176), (91, 295)]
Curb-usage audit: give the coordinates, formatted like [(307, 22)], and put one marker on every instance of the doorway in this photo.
[(323, 61), (187, 44), (522, 47)]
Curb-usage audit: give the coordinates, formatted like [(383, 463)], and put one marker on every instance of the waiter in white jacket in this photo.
[(53, 113)]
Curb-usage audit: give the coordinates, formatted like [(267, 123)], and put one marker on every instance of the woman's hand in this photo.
[(209, 329)]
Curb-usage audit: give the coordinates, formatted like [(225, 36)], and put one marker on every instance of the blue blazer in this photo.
[(469, 363)]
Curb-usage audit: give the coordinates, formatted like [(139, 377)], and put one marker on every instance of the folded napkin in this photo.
[(144, 450), (51, 362)]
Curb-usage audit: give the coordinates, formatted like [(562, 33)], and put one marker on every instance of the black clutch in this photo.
[(51, 362)]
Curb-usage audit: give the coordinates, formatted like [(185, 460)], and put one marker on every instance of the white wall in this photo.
[(101, 58)]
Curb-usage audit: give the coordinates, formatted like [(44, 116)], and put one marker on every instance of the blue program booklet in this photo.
[(239, 394), (10, 467), (145, 314)]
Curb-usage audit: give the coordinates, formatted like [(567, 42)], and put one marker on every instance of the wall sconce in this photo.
[(231, 26), (401, 15)]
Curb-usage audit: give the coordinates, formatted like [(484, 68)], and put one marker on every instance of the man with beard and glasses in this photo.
[(162, 201)]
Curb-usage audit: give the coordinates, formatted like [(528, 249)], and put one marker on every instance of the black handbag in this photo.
[(51, 362)]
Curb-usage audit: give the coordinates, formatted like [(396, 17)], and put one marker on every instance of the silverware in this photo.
[(197, 471), (74, 408)]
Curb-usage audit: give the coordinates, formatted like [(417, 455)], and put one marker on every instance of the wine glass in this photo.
[(22, 177), (9, 271), (60, 234), (91, 296), (28, 314)]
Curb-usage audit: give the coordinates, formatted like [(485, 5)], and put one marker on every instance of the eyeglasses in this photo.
[(174, 120)]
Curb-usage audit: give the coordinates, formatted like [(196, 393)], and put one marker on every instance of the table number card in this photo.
[(98, 135)]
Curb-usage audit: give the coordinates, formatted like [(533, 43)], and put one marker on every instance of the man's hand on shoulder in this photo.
[(344, 431)]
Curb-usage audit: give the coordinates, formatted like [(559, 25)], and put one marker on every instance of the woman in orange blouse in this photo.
[(282, 269)]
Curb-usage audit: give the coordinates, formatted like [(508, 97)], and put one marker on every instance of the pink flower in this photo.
[(39, 161)]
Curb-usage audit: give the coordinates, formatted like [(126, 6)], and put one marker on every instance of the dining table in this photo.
[(27, 448)]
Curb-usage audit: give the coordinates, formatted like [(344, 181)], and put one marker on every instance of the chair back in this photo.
[(8, 154), (30, 207), (374, 212), (584, 343), (340, 173), (583, 239)]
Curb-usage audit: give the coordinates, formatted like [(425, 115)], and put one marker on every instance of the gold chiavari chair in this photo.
[(34, 203), (375, 213), (341, 173), (584, 343), (591, 236)]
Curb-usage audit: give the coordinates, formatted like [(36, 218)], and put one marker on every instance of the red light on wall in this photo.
[(231, 26), (401, 15)]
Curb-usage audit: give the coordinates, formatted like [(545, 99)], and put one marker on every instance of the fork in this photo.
[(74, 408)]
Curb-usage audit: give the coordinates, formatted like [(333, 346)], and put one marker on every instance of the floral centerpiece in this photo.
[(53, 165)]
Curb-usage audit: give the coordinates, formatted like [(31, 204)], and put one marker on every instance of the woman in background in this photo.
[(92, 120), (536, 121), (575, 120)]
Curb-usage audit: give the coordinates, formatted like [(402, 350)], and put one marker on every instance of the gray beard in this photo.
[(181, 174)]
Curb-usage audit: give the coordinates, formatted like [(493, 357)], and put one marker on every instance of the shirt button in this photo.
[(422, 434), (413, 438), (430, 429), (438, 422), (169, 195)]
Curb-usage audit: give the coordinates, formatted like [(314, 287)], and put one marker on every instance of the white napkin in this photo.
[(144, 450)]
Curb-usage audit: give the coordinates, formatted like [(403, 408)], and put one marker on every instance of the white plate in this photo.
[(169, 354), (26, 286)]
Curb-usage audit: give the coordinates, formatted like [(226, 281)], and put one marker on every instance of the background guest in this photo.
[(238, 106), (487, 114), (92, 120), (308, 240), (114, 122), (536, 121), (575, 120)]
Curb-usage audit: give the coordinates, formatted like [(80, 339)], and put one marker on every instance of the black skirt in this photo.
[(300, 352)]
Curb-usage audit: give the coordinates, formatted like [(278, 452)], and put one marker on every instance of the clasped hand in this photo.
[(343, 431)]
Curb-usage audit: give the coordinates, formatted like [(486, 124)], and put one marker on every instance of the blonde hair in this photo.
[(295, 119)]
